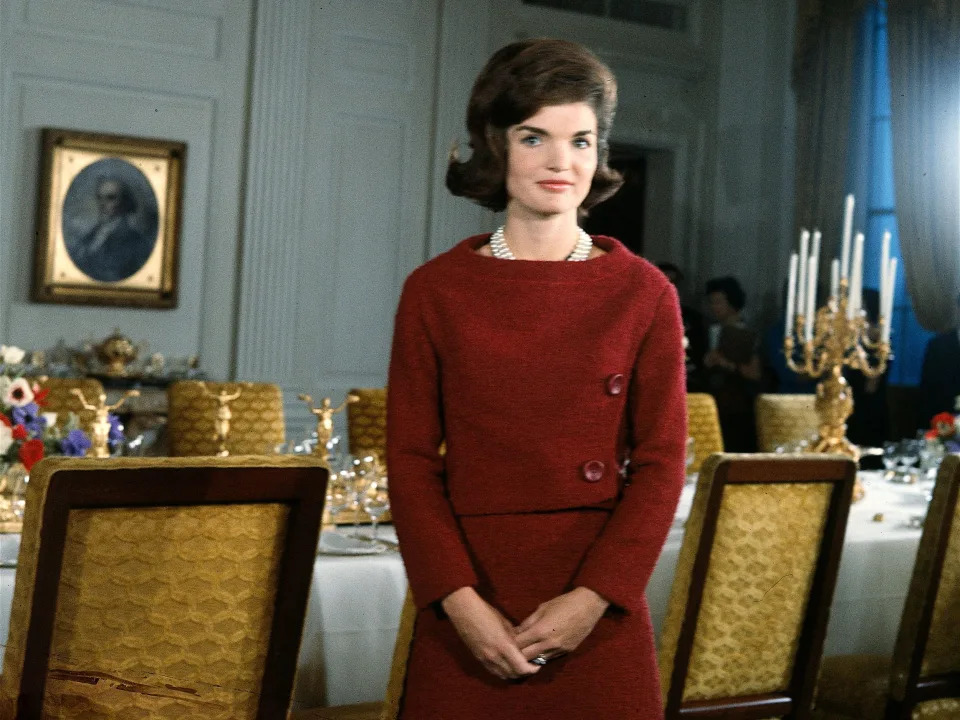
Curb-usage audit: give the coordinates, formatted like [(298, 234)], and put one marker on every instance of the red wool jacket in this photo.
[(543, 378)]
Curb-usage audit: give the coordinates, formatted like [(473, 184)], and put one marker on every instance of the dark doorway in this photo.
[(622, 216)]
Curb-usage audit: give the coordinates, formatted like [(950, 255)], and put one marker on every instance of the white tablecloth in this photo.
[(355, 602)]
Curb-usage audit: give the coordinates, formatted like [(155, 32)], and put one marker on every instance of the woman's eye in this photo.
[(530, 140), (581, 143)]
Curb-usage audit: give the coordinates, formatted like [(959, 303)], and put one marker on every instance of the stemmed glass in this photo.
[(376, 501), (339, 491)]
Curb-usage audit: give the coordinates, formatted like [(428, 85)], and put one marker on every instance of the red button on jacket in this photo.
[(593, 471), (615, 384)]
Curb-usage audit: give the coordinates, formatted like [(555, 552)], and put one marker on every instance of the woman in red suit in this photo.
[(551, 364)]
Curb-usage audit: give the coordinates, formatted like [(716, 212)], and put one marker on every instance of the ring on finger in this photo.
[(540, 660)]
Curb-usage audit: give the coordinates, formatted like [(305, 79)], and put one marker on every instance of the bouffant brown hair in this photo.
[(515, 84)]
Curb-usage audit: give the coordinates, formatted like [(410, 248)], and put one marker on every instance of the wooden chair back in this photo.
[(925, 675), (163, 588), (744, 631), (785, 420)]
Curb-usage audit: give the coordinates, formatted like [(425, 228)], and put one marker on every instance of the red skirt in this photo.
[(523, 560)]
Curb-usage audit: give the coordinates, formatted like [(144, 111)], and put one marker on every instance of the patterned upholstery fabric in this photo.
[(755, 594), (162, 612), (704, 427), (256, 428), (367, 422), (784, 420), (859, 686), (61, 400)]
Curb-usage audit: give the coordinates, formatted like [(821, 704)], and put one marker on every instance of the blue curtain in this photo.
[(870, 179)]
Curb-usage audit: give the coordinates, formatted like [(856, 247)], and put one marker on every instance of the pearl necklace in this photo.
[(499, 249)]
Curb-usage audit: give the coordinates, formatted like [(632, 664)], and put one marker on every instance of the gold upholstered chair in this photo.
[(744, 629), (703, 425), (162, 589), (389, 708), (61, 399), (367, 422), (784, 420), (256, 428), (922, 678)]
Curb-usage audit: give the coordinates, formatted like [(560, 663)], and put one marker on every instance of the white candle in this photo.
[(845, 245), (835, 278), (856, 278), (791, 296), (815, 250), (811, 296), (802, 277), (884, 267), (891, 285)]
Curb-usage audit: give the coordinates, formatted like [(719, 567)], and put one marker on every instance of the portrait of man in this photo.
[(110, 220)]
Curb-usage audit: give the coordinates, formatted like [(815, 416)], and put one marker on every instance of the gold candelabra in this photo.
[(837, 341), (324, 413), (101, 424), (221, 423)]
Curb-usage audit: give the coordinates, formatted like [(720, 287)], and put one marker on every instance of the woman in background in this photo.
[(550, 363)]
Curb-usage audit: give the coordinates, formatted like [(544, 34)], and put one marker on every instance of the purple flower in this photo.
[(75, 444), (29, 416), (115, 436)]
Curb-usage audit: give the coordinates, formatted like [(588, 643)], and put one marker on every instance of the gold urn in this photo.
[(116, 353)]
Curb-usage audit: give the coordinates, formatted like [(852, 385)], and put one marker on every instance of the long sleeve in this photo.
[(431, 542), (620, 562)]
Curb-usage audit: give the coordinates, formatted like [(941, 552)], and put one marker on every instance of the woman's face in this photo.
[(551, 159)]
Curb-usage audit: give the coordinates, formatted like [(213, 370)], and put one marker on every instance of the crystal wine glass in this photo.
[(376, 501)]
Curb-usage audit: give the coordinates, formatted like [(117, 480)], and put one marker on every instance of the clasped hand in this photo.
[(555, 628)]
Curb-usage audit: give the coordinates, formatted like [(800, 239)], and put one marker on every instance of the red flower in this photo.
[(943, 424), (40, 396), (6, 421), (30, 452), (19, 432)]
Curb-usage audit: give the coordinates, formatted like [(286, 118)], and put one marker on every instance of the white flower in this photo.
[(6, 438), (19, 393), (51, 418), (11, 354)]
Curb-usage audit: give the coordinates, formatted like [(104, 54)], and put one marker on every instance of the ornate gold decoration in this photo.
[(101, 424), (224, 415), (116, 352), (12, 490), (837, 342), (324, 414)]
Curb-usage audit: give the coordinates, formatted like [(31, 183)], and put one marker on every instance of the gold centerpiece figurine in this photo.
[(100, 447), (224, 416), (819, 341), (324, 414)]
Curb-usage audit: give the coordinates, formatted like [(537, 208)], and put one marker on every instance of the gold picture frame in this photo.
[(108, 220)]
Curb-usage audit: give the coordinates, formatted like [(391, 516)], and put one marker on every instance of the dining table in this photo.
[(355, 599)]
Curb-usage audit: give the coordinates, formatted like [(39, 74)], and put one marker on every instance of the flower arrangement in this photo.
[(27, 433), (945, 430)]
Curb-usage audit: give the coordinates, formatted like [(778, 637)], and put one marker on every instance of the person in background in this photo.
[(693, 325), (731, 366), (940, 376)]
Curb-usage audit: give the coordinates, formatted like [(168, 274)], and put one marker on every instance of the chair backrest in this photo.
[(744, 630), (61, 399), (401, 653), (785, 420), (925, 674), (703, 425), (256, 428), (168, 588), (367, 422)]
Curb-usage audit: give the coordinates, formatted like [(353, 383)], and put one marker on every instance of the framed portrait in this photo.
[(108, 220)]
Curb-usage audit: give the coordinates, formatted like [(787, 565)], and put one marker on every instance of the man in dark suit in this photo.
[(114, 248), (940, 378)]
